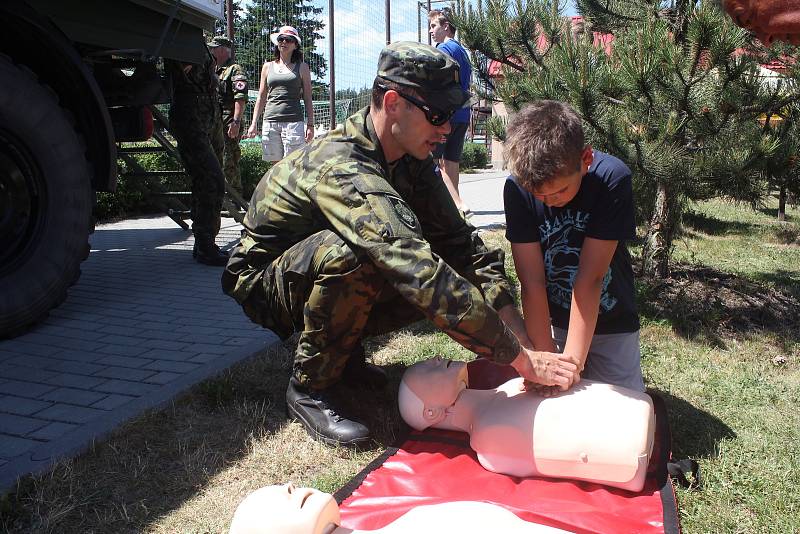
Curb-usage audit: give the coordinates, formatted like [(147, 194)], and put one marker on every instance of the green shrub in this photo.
[(252, 167), (133, 194), (474, 156)]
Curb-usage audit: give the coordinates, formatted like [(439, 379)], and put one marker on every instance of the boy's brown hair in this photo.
[(543, 140)]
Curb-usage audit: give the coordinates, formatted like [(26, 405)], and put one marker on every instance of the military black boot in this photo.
[(318, 412), (359, 373), (208, 253)]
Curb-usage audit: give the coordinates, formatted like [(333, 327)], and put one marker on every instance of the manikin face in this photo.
[(437, 381), (412, 132), (287, 510), (438, 31), (561, 189)]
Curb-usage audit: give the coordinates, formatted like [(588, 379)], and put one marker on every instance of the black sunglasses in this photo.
[(435, 116), (283, 39)]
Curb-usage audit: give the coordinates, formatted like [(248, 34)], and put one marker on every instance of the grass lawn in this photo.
[(720, 342)]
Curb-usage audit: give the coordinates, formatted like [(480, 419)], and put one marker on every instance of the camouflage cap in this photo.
[(431, 72), (220, 40)]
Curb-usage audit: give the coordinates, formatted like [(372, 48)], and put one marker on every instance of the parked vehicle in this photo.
[(78, 76)]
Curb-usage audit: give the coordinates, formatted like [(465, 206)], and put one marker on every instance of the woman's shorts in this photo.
[(280, 138)]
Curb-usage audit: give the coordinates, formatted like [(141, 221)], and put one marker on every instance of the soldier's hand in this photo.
[(233, 130), (309, 133), (546, 368)]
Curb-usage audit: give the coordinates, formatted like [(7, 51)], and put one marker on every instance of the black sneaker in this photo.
[(358, 373), (316, 411)]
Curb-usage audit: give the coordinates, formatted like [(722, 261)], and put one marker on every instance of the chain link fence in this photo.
[(342, 67)]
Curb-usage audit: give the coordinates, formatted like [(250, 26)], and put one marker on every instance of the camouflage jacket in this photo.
[(400, 217), (232, 84)]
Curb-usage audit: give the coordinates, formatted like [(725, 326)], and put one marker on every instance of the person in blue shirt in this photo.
[(448, 154), (569, 211)]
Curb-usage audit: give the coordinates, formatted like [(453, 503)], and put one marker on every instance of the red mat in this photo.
[(437, 466)]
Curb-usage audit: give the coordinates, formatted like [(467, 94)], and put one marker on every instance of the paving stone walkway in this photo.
[(143, 323)]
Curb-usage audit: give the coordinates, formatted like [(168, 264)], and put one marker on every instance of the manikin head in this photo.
[(428, 389), (286, 510)]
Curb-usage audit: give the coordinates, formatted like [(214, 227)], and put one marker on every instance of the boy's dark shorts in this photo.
[(452, 148)]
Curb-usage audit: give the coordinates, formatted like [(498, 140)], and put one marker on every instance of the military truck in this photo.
[(76, 77)]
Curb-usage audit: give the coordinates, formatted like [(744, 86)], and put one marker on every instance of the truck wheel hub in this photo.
[(22, 195)]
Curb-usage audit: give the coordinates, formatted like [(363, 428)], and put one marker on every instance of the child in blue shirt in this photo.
[(569, 211)]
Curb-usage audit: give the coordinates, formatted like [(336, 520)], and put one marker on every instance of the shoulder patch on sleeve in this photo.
[(404, 213), (387, 205)]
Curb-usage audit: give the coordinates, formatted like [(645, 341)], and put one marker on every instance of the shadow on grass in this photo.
[(157, 462), (773, 213), (705, 304), (713, 226), (168, 457), (695, 433)]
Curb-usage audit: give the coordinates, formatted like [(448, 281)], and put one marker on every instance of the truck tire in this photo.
[(44, 200)]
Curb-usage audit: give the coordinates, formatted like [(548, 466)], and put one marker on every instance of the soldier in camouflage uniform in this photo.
[(232, 100), (355, 235), (194, 120)]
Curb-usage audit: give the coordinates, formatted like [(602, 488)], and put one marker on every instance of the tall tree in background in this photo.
[(665, 86), (258, 18)]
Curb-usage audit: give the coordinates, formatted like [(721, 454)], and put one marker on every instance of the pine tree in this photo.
[(781, 125), (674, 95), (781, 169)]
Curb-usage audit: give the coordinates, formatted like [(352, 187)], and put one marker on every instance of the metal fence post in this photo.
[(388, 22), (229, 26), (332, 54), (429, 33)]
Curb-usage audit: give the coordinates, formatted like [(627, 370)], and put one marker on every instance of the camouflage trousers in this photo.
[(195, 122), (334, 298), (232, 154)]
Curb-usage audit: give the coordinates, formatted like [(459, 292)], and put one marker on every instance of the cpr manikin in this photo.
[(594, 431), (289, 510)]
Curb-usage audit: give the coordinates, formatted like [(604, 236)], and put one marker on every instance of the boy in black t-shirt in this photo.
[(569, 210)]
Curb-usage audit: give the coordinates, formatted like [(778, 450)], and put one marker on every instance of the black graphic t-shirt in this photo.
[(602, 209)]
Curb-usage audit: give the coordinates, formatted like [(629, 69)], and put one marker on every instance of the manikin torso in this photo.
[(289, 510), (594, 431), (463, 517)]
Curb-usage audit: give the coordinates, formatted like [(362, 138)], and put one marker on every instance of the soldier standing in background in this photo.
[(195, 122), (355, 235), (232, 100)]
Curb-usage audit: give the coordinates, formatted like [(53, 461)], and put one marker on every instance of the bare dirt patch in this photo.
[(704, 302)]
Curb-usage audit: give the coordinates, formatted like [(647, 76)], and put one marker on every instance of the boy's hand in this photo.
[(579, 364), (538, 389), (546, 368)]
